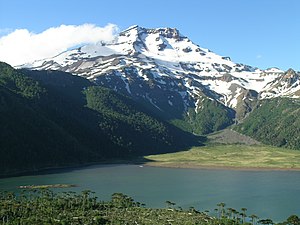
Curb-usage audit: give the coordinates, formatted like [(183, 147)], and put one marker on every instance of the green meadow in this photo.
[(231, 156)]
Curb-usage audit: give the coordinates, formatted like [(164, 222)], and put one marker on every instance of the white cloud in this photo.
[(22, 46)]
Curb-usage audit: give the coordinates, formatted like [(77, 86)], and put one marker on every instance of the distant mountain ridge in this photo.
[(167, 72)]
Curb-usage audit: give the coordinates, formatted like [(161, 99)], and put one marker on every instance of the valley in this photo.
[(154, 112), (89, 123), (155, 119)]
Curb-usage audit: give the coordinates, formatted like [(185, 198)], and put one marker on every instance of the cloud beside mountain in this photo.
[(22, 46)]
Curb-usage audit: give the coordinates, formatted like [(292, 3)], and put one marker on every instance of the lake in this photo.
[(268, 194)]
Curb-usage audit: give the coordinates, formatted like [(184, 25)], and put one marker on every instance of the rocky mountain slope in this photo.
[(176, 78)]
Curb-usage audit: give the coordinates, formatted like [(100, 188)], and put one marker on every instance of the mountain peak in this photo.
[(290, 71), (133, 27), (170, 72), (166, 32)]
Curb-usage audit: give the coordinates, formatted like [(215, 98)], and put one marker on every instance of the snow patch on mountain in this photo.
[(162, 61)]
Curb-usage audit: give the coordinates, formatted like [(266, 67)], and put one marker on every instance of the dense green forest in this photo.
[(42, 206), (210, 117), (275, 122), (52, 119), (128, 125)]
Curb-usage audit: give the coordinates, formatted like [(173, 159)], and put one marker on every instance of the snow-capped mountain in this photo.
[(167, 71)]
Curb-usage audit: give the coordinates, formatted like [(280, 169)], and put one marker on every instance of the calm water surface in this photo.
[(268, 194)]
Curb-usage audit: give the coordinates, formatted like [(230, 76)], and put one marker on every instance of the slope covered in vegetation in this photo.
[(51, 119), (210, 117), (275, 122)]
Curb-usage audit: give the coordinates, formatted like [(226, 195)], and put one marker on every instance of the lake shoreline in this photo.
[(217, 167), (142, 162), (61, 169)]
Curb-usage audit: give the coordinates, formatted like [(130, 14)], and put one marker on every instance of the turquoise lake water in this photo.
[(268, 194)]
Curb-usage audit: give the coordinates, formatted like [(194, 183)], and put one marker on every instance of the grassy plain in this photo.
[(230, 156)]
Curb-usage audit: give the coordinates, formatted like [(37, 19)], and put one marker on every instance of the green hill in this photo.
[(52, 119), (212, 116), (275, 122)]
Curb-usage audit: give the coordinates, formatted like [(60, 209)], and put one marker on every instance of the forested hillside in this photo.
[(29, 139), (50, 119), (275, 122), (210, 117)]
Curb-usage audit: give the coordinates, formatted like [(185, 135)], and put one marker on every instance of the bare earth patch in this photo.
[(228, 136)]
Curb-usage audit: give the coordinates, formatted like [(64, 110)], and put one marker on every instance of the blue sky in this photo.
[(262, 33)]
